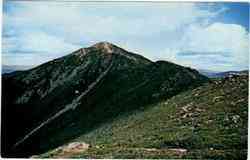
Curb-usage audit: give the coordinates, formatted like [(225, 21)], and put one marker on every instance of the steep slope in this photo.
[(209, 122), (49, 105)]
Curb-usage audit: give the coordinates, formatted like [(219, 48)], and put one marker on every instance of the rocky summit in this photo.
[(63, 101)]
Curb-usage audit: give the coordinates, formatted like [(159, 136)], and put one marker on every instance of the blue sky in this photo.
[(212, 36)]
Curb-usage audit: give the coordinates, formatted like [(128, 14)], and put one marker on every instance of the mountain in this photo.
[(213, 74), (51, 104), (12, 68), (208, 122), (208, 73), (230, 73)]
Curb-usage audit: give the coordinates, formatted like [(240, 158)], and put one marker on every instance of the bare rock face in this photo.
[(105, 47), (74, 147), (68, 150)]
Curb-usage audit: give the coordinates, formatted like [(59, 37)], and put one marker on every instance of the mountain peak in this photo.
[(112, 49), (106, 46), (102, 43)]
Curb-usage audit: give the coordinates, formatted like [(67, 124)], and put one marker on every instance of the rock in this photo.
[(179, 150), (184, 116), (199, 110), (235, 118), (150, 149), (98, 147), (76, 92), (226, 118), (217, 99), (34, 156), (233, 103), (241, 100), (197, 94), (76, 147), (186, 108)]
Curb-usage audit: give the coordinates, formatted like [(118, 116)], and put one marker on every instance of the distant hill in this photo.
[(51, 104), (12, 68), (213, 74)]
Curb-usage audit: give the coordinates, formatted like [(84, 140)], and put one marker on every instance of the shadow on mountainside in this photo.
[(31, 98)]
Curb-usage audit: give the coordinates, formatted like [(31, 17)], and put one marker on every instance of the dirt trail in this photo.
[(68, 107)]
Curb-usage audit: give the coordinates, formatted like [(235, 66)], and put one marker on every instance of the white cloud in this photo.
[(27, 59), (42, 42), (156, 30), (227, 43), (106, 19), (78, 20), (34, 48)]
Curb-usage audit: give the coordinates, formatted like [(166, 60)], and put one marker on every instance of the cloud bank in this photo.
[(185, 33)]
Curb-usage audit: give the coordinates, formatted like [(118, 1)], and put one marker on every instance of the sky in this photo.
[(211, 36)]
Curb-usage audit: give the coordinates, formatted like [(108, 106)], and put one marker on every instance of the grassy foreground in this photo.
[(209, 122)]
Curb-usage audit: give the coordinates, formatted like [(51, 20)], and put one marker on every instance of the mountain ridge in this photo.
[(214, 74), (55, 88)]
